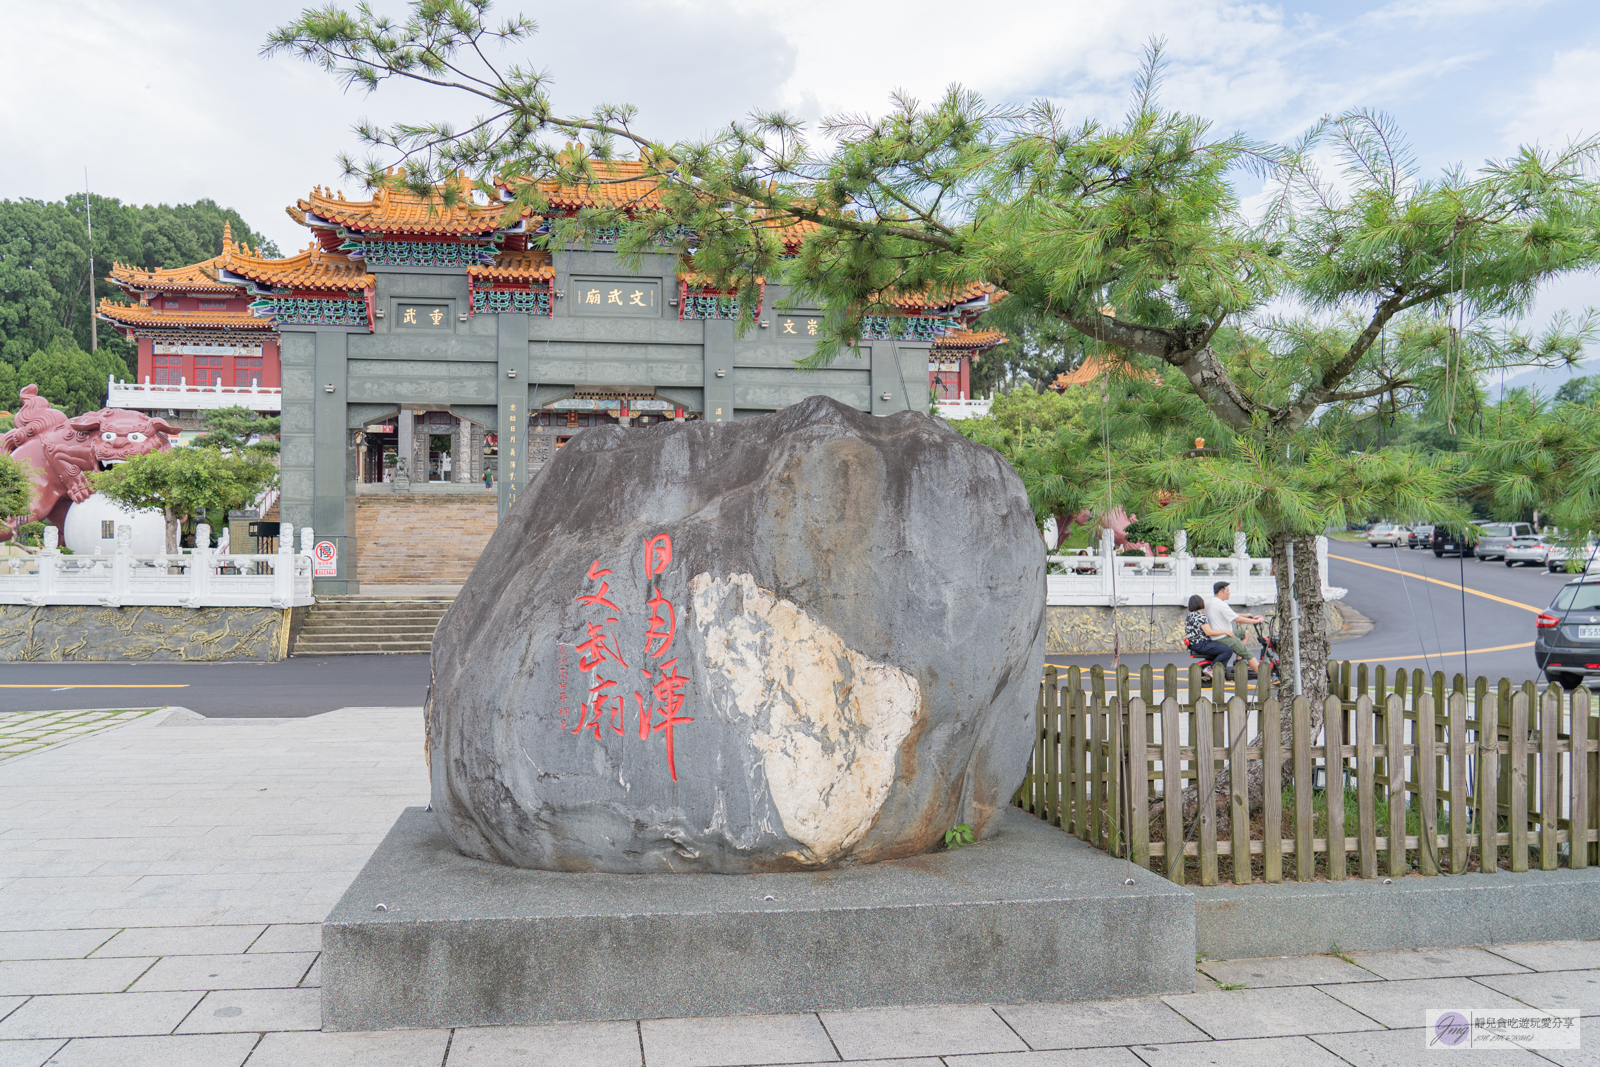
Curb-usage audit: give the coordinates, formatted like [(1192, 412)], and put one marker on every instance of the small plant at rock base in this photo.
[(1229, 987), (957, 836)]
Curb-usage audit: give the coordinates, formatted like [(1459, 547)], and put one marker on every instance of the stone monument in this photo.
[(803, 640), (699, 722)]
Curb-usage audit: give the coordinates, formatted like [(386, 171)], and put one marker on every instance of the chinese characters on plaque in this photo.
[(794, 327), (422, 316), (615, 296), (647, 675)]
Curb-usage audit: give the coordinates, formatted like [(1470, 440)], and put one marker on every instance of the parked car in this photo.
[(1566, 636), (1556, 559), (1495, 536), (1420, 537), (1534, 550), (1387, 533), (1448, 541)]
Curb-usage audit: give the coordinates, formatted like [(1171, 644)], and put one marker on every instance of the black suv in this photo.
[(1448, 541), (1566, 636)]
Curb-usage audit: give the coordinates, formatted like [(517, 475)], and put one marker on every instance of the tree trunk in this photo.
[(172, 531)]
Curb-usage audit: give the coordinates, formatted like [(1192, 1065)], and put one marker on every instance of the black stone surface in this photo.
[(1029, 914)]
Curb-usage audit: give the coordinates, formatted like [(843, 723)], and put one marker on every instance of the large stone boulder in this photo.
[(798, 641)]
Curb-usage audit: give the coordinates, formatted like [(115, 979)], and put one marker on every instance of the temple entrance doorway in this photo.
[(440, 462)]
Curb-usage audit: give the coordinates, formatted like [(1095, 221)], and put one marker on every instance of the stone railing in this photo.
[(186, 397), (961, 409), (199, 578), (1102, 578)]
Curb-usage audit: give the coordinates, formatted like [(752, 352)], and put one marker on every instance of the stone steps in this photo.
[(364, 626)]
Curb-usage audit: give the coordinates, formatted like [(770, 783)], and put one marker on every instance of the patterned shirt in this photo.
[(1192, 632)]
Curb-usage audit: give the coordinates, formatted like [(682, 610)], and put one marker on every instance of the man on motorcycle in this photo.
[(1222, 623)]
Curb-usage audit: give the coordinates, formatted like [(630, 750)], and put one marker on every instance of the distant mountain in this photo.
[(1545, 381)]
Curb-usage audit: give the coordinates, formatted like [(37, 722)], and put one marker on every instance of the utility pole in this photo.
[(88, 214)]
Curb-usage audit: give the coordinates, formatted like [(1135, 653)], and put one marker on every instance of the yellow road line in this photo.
[(183, 685), (1440, 655), (1447, 585)]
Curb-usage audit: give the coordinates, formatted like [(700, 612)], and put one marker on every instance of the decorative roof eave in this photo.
[(401, 212), (310, 269), (516, 267), (194, 278), (969, 342), (142, 316)]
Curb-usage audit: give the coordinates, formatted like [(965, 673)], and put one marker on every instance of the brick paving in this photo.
[(161, 886), (22, 732)]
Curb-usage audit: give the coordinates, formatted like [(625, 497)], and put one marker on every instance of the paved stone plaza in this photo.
[(161, 882)]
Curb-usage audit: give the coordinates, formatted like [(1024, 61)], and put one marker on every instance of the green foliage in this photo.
[(181, 481), (1534, 455), (44, 263), (16, 486), (73, 380), (231, 429), (958, 835), (31, 533), (1582, 392)]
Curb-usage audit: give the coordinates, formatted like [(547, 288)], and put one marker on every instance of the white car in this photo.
[(1528, 549), (1387, 533), (1557, 555)]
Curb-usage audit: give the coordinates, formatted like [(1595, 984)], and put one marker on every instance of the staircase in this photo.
[(361, 626)]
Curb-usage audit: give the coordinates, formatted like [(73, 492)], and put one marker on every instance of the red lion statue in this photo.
[(62, 451)]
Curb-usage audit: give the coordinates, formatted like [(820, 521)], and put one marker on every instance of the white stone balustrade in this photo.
[(961, 409), (199, 578), (191, 397), (1099, 577)]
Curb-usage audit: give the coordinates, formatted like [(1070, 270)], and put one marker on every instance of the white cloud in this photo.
[(1562, 104)]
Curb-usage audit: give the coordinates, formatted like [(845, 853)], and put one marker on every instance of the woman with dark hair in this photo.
[(1196, 634)]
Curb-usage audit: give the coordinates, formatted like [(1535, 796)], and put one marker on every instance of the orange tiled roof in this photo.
[(1093, 366), (964, 294), (516, 267), (969, 340), (618, 183), (394, 210), (195, 278), (146, 317), (311, 268)]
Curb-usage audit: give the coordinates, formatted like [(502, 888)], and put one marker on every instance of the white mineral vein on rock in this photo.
[(827, 720)]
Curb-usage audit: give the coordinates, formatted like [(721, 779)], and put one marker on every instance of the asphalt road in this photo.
[(292, 689), (1415, 602), (1413, 599)]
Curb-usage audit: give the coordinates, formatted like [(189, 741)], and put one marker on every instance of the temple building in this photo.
[(431, 359), (200, 346)]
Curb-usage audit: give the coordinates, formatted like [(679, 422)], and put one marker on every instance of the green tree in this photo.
[(238, 431), (44, 263), (1130, 234), (73, 380), (16, 492), (181, 481), (1583, 392)]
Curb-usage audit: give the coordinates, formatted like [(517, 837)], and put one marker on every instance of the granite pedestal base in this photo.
[(1030, 914)]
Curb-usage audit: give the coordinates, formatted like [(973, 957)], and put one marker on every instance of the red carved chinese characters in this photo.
[(660, 707)]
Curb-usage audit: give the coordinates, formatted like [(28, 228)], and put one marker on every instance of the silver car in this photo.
[(1387, 533), (1586, 557), (1495, 536), (1534, 550)]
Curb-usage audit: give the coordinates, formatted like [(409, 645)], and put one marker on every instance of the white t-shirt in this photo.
[(1218, 615)]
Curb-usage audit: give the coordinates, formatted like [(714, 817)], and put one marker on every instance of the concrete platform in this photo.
[(1444, 911), (1031, 914)]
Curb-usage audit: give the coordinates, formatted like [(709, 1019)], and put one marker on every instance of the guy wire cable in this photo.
[(1420, 639)]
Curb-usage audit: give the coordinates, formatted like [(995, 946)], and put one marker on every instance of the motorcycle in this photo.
[(1269, 657)]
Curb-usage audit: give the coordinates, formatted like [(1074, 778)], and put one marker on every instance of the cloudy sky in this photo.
[(172, 102)]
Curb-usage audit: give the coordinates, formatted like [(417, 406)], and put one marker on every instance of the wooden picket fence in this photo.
[(1423, 778)]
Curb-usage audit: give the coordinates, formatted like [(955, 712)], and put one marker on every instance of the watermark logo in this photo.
[(1455, 1028), (1449, 1030)]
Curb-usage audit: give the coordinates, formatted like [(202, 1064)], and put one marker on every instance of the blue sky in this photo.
[(170, 101)]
